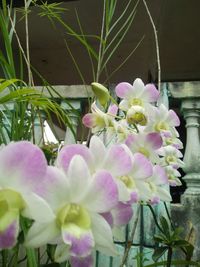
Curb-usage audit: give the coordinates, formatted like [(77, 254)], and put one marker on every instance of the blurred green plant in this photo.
[(21, 104)]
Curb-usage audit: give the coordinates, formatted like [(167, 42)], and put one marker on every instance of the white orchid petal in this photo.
[(103, 235), (37, 208), (41, 233)]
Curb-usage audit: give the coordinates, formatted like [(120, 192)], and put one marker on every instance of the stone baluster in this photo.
[(187, 213), (191, 112)]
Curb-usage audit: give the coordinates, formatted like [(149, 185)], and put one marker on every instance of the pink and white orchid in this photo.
[(77, 198), (170, 157), (145, 143), (173, 176), (116, 159), (163, 120), (137, 94), (98, 120), (22, 171), (157, 184)]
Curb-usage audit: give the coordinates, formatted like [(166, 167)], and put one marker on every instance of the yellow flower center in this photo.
[(137, 118), (170, 159), (169, 141), (144, 151), (73, 214), (10, 199), (127, 181), (136, 102), (11, 203), (161, 126)]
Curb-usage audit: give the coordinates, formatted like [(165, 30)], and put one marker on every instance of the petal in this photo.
[(61, 253), (102, 194), (130, 139), (123, 89), (124, 194), (37, 208), (124, 105), (23, 164), (108, 217), (142, 167), (122, 214), (151, 92), (79, 178), (98, 151), (103, 235), (82, 262), (154, 139), (113, 109), (163, 194), (89, 120), (173, 119), (138, 87), (41, 233), (145, 192), (56, 188), (81, 241), (68, 152), (160, 176), (8, 238), (118, 160)]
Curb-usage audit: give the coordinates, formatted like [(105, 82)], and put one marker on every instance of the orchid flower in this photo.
[(22, 171), (137, 94), (136, 181), (98, 120), (163, 120), (170, 156), (77, 199), (122, 130), (157, 183), (169, 139), (145, 143), (173, 175), (116, 159)]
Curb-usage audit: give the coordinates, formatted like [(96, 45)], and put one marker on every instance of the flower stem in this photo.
[(130, 241), (31, 256), (4, 254), (169, 257)]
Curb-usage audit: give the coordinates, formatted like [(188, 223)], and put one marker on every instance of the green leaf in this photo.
[(165, 227), (158, 252), (189, 251), (181, 243), (6, 83), (159, 238)]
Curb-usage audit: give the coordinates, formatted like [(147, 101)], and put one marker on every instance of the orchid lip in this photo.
[(73, 214), (11, 204)]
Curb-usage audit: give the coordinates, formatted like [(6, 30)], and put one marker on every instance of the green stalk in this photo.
[(31, 255), (4, 254), (169, 257), (155, 219)]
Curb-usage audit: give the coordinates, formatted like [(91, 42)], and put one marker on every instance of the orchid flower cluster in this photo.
[(81, 202)]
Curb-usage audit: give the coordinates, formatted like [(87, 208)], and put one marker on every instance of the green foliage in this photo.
[(170, 240)]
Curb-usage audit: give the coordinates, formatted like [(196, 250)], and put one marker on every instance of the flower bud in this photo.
[(101, 93), (136, 115)]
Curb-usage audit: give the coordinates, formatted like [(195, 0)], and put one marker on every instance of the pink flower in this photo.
[(137, 94), (23, 168)]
